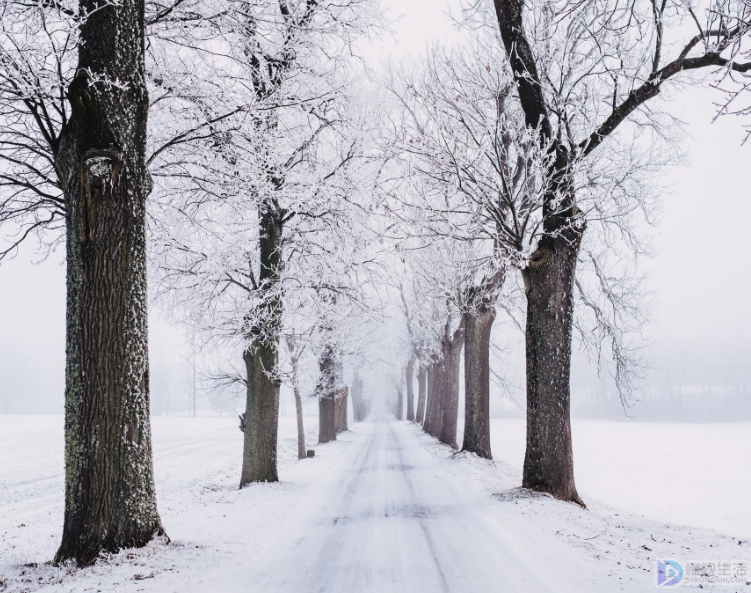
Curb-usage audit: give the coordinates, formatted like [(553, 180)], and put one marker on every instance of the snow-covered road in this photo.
[(390, 518), (384, 509)]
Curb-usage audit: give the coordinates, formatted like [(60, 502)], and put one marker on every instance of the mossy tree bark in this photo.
[(110, 501)]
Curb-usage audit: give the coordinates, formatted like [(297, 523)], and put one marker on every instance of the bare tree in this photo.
[(479, 178), (242, 221), (434, 328), (476, 176), (581, 71)]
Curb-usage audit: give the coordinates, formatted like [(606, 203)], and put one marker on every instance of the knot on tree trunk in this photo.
[(540, 258)]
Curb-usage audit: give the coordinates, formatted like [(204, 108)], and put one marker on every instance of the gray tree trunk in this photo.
[(261, 416), (326, 418), (109, 485), (549, 458), (411, 389), (422, 378), (433, 410), (548, 279), (358, 406), (341, 410), (301, 449), (327, 386), (431, 394), (261, 359), (452, 351), (399, 403), (478, 326)]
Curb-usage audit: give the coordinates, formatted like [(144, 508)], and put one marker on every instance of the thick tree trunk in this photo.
[(399, 403), (450, 409), (326, 418), (327, 387), (261, 358), (341, 410), (549, 281), (549, 459), (478, 326), (422, 378), (261, 415), (109, 485), (411, 389)]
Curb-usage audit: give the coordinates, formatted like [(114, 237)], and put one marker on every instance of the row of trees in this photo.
[(252, 148), (509, 162), (292, 204)]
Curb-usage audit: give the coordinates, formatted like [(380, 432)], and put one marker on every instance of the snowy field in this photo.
[(689, 474), (387, 509)]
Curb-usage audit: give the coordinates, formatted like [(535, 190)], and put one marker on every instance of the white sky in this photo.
[(701, 273)]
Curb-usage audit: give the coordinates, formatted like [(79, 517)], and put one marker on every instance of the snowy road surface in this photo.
[(384, 509), (389, 519)]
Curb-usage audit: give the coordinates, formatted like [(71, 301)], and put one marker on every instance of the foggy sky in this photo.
[(701, 274)]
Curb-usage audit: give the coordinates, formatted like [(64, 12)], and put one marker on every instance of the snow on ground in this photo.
[(681, 474), (197, 462), (385, 509)]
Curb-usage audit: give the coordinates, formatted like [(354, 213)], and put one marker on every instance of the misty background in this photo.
[(700, 338)]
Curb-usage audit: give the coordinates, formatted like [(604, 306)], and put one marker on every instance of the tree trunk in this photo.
[(261, 416), (478, 326), (422, 378), (450, 408), (435, 383), (548, 280), (261, 359), (109, 485), (301, 449), (399, 403), (326, 418), (357, 404), (411, 389), (341, 409), (327, 384), (549, 460)]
